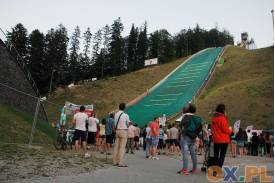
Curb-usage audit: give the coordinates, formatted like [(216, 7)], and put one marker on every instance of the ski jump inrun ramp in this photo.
[(177, 89)]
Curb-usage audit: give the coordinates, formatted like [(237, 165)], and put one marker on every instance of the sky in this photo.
[(236, 16)]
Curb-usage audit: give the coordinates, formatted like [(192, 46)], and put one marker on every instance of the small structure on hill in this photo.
[(246, 43)]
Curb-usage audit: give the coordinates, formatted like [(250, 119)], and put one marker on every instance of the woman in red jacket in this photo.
[(221, 134)]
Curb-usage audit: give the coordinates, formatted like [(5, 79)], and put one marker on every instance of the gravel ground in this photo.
[(19, 162)]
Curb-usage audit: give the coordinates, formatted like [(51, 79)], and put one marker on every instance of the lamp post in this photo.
[(272, 12), (51, 82)]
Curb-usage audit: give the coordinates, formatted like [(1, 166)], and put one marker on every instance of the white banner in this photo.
[(152, 61), (71, 108)]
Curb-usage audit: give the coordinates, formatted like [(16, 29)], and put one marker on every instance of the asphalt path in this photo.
[(142, 170)]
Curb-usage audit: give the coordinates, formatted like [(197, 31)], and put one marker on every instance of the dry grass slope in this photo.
[(245, 85)]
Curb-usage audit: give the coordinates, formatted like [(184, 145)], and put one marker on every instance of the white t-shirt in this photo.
[(148, 131), (131, 131), (123, 120), (80, 121), (174, 133), (249, 136), (92, 124)]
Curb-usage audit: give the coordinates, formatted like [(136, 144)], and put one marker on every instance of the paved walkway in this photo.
[(144, 170)]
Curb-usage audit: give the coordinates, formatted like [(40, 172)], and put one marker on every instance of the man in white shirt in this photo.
[(121, 126), (92, 129), (79, 120)]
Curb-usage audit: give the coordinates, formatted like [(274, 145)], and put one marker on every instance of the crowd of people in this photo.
[(119, 135)]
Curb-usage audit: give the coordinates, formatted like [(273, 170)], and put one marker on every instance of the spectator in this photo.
[(233, 144), (122, 122), (174, 132), (79, 120), (268, 144), (147, 141), (221, 134), (168, 140), (92, 129), (130, 136), (154, 134), (136, 138), (161, 140), (247, 143), (254, 144), (262, 144), (190, 126), (240, 137), (110, 128), (102, 133), (144, 137)]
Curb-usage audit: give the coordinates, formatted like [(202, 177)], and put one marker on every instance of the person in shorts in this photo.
[(102, 133), (110, 128), (136, 138), (92, 129), (174, 138), (161, 140), (130, 138), (168, 141), (154, 134), (147, 141), (79, 120)]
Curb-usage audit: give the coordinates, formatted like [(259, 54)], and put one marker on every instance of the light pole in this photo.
[(51, 82), (272, 12)]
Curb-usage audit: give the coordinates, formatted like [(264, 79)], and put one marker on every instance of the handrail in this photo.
[(22, 65)]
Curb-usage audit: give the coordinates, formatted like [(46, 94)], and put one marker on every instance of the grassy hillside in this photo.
[(108, 93), (245, 85), (15, 127)]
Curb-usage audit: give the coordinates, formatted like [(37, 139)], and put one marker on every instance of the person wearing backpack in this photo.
[(190, 126)]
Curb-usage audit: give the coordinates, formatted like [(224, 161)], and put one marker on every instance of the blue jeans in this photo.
[(188, 144)]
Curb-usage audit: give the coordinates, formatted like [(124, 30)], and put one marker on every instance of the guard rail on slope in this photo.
[(21, 64)]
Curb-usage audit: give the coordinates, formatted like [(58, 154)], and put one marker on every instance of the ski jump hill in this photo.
[(177, 89)]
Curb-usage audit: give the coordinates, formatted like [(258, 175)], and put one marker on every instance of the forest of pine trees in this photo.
[(106, 52)]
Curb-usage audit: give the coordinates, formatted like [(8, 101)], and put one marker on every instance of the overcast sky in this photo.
[(237, 16)]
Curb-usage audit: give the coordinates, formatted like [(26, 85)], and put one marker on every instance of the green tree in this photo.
[(85, 58), (106, 50), (142, 47), (19, 38), (37, 65), (97, 63), (132, 48), (117, 61), (161, 46), (56, 57), (75, 67), (180, 42), (154, 42)]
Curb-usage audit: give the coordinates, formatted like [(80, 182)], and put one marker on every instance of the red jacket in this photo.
[(220, 129)]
